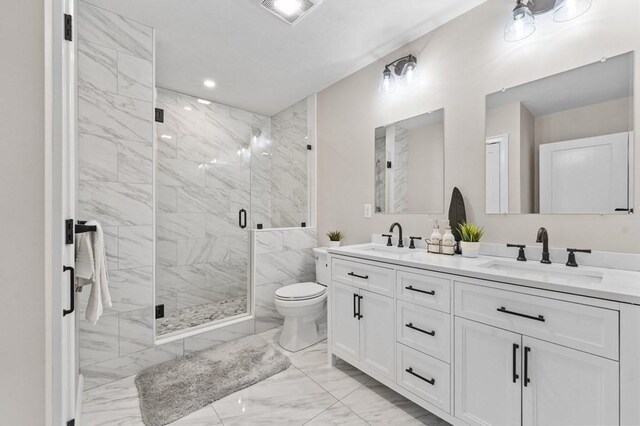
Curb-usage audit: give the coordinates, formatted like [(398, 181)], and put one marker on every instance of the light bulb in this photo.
[(288, 7)]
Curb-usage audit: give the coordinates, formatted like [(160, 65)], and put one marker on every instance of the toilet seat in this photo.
[(301, 291)]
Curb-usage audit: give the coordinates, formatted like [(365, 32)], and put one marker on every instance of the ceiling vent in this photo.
[(290, 11)]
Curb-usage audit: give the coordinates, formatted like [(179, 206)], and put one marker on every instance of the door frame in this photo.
[(503, 142)]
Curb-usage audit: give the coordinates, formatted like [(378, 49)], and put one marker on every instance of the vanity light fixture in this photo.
[(290, 11), (403, 68), (522, 22)]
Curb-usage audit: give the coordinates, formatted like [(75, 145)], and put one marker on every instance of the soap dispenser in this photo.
[(435, 238), (448, 241)]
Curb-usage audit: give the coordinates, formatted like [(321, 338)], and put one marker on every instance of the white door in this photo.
[(377, 338), (345, 326), (585, 175), (488, 379), (497, 174), (568, 387)]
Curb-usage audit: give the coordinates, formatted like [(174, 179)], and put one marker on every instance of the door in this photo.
[(497, 174), (377, 339), (588, 175), (344, 320), (488, 379), (567, 387)]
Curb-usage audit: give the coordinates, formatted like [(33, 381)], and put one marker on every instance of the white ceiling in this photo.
[(587, 85), (263, 64)]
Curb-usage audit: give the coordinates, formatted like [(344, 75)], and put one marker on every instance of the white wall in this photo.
[(22, 317), (460, 63)]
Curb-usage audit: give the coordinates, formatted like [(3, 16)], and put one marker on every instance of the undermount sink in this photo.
[(378, 248), (542, 272)]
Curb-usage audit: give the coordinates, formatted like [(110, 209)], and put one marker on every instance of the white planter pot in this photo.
[(333, 244), (470, 249)]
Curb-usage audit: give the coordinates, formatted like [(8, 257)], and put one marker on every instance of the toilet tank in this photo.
[(322, 266)]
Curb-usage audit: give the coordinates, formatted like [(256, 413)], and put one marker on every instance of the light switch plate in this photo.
[(367, 210)]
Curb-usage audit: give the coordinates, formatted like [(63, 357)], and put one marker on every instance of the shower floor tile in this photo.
[(308, 393), (202, 314)]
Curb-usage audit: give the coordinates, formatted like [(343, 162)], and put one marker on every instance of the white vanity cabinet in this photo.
[(478, 352)]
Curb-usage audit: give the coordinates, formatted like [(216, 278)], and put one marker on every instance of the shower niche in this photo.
[(220, 172)]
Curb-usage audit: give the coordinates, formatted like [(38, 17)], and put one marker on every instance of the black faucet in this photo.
[(543, 237), (400, 245)]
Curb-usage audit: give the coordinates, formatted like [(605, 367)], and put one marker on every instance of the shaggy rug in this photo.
[(176, 388)]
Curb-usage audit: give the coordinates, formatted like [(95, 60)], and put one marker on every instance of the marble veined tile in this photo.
[(166, 199), (97, 67), (203, 417), (216, 337), (339, 381), (379, 405), (97, 158), (192, 251), (266, 315), (112, 404), (135, 246), (114, 203), (98, 342), (288, 398), (166, 253), (282, 266), (172, 172), (269, 241), (181, 278), (228, 271), (338, 414), (111, 246), (192, 199), (136, 330), (109, 115), (106, 28), (176, 226), (135, 77), (130, 289), (298, 239), (135, 162)]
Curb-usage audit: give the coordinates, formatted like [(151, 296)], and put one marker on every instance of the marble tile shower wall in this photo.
[(281, 257), (115, 173), (203, 180), (289, 167), (400, 167)]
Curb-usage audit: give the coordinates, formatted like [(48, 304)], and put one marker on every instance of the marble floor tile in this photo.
[(337, 414), (379, 405), (288, 398), (113, 404), (203, 417)]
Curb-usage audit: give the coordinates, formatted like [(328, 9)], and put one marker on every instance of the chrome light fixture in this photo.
[(403, 68), (290, 11), (522, 23)]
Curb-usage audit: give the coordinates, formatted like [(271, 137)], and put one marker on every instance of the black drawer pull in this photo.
[(515, 371), (430, 381), (526, 380), (411, 326), (505, 311), (432, 293), (353, 274), (355, 302)]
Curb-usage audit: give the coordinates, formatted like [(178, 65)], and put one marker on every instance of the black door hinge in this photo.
[(388, 164), (309, 147), (71, 422), (159, 311), (68, 27), (68, 231), (159, 115)]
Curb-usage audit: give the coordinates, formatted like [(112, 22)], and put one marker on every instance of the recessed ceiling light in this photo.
[(210, 84), (188, 108), (204, 102), (167, 137), (290, 10)]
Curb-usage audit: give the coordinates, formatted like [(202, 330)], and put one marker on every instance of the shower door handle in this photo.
[(242, 218)]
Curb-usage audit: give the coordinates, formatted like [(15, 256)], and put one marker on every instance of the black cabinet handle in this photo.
[(359, 314), (506, 311), (411, 326), (353, 274), (430, 381), (242, 218), (526, 379), (355, 309), (515, 352), (432, 293), (72, 298)]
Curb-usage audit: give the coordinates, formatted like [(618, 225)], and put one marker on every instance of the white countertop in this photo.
[(616, 285)]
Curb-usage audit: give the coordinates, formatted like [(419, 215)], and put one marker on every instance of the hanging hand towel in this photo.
[(91, 268)]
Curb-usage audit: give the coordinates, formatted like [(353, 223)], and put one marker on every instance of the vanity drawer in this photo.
[(430, 290), (424, 376), (586, 328), (373, 278), (424, 329)]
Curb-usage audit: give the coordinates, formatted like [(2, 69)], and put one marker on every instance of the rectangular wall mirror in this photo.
[(563, 144), (409, 165)]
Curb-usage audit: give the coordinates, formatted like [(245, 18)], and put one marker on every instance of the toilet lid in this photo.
[(300, 291)]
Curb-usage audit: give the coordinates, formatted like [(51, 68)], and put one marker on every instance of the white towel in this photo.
[(91, 268)]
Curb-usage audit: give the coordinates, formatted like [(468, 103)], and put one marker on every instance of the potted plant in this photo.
[(470, 234), (334, 238)]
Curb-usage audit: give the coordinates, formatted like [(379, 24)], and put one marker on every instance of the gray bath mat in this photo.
[(176, 388)]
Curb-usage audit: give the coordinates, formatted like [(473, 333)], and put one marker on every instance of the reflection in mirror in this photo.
[(409, 165), (563, 144)]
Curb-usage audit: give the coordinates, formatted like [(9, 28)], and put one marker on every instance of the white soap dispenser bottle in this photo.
[(435, 239), (448, 241)]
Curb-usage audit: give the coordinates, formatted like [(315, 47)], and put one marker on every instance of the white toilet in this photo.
[(302, 305)]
